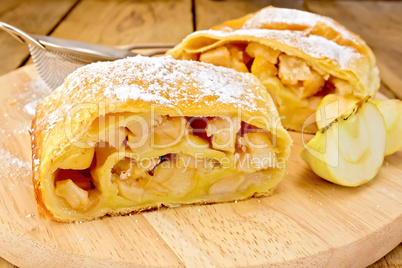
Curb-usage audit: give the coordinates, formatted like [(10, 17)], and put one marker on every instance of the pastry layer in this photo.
[(299, 57), (139, 133)]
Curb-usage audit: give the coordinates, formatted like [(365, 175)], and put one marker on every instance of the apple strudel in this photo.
[(140, 133), (299, 57)]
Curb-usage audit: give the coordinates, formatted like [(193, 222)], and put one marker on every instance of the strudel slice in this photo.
[(140, 133), (299, 57)]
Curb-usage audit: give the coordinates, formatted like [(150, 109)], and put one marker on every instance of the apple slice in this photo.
[(350, 150), (392, 113), (332, 106)]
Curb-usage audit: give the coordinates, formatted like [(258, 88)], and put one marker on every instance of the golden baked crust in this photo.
[(328, 58), (84, 163)]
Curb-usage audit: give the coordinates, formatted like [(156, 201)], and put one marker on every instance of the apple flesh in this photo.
[(392, 112), (332, 106), (350, 150)]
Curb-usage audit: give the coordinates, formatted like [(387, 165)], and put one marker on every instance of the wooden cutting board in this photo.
[(307, 222)]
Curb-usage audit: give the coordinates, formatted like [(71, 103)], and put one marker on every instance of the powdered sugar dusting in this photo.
[(165, 81), (24, 103), (134, 92), (36, 91), (30, 106), (273, 15), (159, 80), (13, 167), (51, 113), (316, 46)]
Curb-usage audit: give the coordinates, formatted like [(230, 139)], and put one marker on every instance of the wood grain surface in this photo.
[(128, 22), (307, 221), (379, 24), (37, 17), (209, 13)]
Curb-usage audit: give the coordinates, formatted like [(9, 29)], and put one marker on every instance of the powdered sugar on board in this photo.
[(315, 46), (36, 91), (273, 15), (24, 103), (13, 166)]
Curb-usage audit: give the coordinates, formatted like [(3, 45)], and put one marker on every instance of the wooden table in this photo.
[(128, 22)]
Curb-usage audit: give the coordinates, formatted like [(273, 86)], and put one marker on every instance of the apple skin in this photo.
[(392, 112), (332, 106), (350, 150)]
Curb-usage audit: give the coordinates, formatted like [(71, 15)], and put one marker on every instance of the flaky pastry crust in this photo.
[(316, 56), (79, 174)]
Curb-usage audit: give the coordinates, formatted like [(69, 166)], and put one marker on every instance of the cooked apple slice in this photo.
[(74, 195), (350, 150), (392, 113)]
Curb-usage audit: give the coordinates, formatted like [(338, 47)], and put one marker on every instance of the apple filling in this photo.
[(76, 188), (294, 73), (295, 85), (145, 159)]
